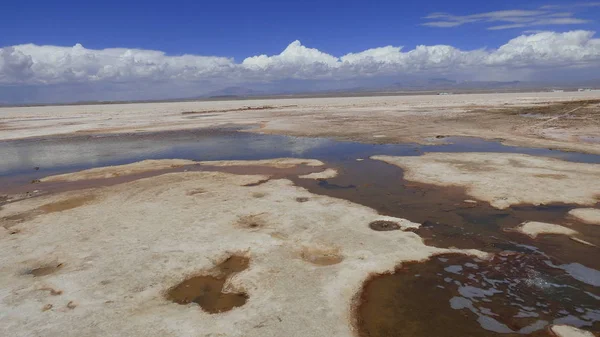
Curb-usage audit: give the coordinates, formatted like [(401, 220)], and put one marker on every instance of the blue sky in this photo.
[(244, 28), (107, 50)]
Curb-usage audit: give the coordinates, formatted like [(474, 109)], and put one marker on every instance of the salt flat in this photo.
[(89, 247), (512, 117)]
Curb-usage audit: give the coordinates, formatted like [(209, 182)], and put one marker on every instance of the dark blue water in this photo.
[(61, 155)]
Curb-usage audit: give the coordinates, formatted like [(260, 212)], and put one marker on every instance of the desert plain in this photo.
[(422, 215)]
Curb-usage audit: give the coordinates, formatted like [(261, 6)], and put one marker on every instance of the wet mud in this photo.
[(384, 226), (513, 294), (64, 205), (450, 219), (208, 290), (402, 304)]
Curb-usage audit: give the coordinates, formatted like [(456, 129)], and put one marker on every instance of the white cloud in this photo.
[(573, 5), (549, 15), (142, 70), (15, 66), (576, 48), (51, 64), (296, 61)]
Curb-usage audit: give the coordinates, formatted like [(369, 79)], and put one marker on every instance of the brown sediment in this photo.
[(455, 295), (207, 290), (260, 182), (52, 291), (67, 204), (53, 207), (15, 219), (556, 108), (384, 225), (44, 270), (252, 221)]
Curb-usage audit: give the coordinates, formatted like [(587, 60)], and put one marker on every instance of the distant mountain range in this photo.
[(298, 88), (235, 91), (444, 83), (426, 85)]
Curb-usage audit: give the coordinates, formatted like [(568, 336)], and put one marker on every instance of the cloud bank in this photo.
[(524, 58)]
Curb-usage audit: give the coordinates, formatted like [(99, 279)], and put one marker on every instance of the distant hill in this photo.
[(233, 92)]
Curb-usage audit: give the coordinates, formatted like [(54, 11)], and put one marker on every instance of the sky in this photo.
[(120, 50)]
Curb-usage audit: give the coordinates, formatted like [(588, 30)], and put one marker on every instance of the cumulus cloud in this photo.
[(550, 15), (51, 64), (577, 48), (295, 55), (15, 66), (35, 65)]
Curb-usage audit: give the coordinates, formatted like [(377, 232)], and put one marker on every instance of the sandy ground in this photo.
[(99, 262), (567, 120)]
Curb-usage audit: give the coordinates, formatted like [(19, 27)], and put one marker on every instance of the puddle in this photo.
[(207, 290), (513, 294), (399, 304), (31, 159)]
